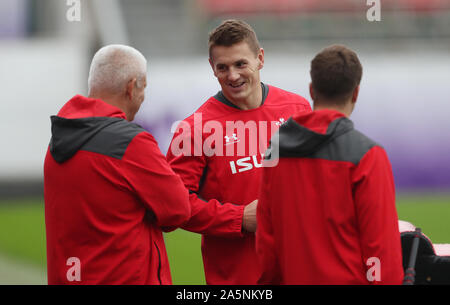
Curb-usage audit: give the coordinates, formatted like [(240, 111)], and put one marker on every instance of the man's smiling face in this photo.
[(237, 70)]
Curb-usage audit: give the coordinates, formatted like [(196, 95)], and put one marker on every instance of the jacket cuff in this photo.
[(236, 226)]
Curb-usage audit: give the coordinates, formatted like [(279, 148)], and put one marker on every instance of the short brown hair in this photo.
[(335, 73), (231, 32)]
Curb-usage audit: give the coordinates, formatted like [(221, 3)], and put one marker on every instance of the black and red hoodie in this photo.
[(326, 212), (108, 191)]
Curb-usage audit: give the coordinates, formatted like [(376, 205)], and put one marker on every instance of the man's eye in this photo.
[(240, 64), (221, 68)]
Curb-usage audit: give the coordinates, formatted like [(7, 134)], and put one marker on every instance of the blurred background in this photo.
[(45, 51)]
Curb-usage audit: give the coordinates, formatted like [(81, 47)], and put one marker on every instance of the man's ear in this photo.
[(130, 88), (261, 58), (311, 92), (355, 94), (212, 66)]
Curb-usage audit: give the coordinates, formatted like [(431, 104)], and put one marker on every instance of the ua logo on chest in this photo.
[(231, 140), (280, 122)]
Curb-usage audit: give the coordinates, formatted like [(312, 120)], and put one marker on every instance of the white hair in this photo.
[(113, 66)]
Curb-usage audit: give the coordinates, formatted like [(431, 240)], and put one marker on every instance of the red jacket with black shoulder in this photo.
[(108, 191), (326, 213)]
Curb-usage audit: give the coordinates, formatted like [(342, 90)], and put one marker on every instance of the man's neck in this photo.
[(111, 100), (346, 109), (253, 101)]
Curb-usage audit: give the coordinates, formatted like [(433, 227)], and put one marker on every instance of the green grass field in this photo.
[(22, 233)]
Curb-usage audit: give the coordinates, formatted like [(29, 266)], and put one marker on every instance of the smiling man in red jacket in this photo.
[(224, 184), (326, 213), (108, 189)]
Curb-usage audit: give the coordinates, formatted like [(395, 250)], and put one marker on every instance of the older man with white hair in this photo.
[(108, 188)]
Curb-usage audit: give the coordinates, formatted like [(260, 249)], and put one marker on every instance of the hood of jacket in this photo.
[(79, 120), (305, 134)]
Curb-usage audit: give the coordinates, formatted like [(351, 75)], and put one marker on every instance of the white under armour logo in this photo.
[(280, 122), (233, 136)]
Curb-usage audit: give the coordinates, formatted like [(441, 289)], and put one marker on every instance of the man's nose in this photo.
[(233, 75)]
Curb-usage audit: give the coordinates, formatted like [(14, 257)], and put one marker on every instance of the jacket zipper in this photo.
[(159, 263)]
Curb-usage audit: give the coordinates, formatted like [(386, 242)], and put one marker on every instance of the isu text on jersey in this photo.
[(246, 164)]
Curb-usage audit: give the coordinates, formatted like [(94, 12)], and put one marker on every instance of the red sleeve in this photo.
[(157, 186), (209, 217), (265, 240), (374, 193)]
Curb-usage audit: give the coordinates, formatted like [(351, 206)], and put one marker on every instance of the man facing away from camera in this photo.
[(224, 186), (108, 189), (326, 213)]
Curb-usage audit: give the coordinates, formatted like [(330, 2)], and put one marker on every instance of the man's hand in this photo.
[(249, 218)]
